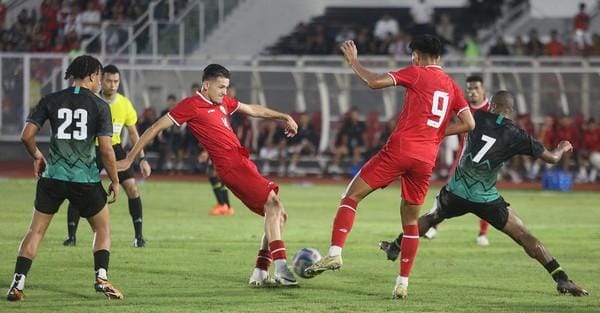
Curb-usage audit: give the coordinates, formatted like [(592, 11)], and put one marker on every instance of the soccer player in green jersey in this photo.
[(472, 188), (77, 117)]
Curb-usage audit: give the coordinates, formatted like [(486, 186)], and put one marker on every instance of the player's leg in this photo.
[(515, 229), (135, 209), (72, 223), (357, 190), (275, 217), (260, 275), (49, 195), (482, 239), (223, 207), (27, 252), (100, 224)]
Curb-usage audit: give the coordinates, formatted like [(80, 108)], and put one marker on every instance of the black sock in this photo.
[(135, 210), (72, 221), (23, 265), (556, 271), (398, 240), (225, 196), (101, 258), (216, 185)]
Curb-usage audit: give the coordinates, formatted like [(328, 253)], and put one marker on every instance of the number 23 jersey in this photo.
[(431, 97), (77, 116)]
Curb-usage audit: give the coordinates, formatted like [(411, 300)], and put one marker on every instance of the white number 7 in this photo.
[(489, 142), (436, 110)]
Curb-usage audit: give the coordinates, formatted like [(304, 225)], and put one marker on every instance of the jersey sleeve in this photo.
[(460, 103), (182, 112), (406, 77), (131, 115), (40, 113), (523, 143), (231, 104), (105, 127)]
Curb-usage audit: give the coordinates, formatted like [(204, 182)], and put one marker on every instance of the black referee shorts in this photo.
[(120, 155), (450, 205), (87, 198)]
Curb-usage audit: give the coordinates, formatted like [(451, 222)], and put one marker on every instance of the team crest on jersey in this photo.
[(222, 108)]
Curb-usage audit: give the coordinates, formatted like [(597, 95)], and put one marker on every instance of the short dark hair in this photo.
[(82, 67), (475, 78), (504, 101), (171, 97), (213, 71), (428, 44), (111, 69)]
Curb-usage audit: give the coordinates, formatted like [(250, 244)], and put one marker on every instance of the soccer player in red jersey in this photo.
[(411, 150), (206, 114), (477, 101)]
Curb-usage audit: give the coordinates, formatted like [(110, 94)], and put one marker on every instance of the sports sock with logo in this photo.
[(408, 250), (342, 224), (135, 210)]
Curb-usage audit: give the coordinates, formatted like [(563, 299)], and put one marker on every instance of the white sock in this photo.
[(19, 280), (101, 272), (335, 250), (400, 280), (280, 265)]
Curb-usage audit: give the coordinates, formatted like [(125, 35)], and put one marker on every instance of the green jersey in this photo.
[(77, 116), (494, 141)]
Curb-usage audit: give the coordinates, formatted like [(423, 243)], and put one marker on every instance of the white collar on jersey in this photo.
[(204, 98), (434, 66)]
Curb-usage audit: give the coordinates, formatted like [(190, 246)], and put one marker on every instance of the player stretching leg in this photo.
[(410, 152), (206, 114), (472, 187), (77, 117)]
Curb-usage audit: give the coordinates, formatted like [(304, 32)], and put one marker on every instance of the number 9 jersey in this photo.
[(431, 95), (77, 116)]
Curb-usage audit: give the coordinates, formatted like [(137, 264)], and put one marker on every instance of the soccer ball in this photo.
[(303, 259)]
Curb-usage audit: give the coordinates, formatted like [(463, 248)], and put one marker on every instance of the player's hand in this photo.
[(203, 156), (565, 146), (145, 168), (124, 164), (291, 128), (39, 165), (113, 189), (350, 51)]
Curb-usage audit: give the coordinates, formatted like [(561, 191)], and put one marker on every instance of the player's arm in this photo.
[(107, 153), (466, 123), (28, 139), (373, 80), (134, 136), (256, 110), (553, 157), (162, 123)]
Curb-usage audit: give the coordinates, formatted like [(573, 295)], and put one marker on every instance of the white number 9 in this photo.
[(436, 110)]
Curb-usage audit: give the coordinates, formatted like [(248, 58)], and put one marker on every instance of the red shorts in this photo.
[(385, 167), (246, 183)]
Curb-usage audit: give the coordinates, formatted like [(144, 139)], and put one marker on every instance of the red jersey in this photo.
[(582, 21), (209, 123), (430, 96)]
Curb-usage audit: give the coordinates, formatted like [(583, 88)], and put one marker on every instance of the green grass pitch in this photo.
[(200, 263)]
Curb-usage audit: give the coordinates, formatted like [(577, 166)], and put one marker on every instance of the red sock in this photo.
[(409, 246), (277, 248), (342, 224), (483, 227), (263, 260)]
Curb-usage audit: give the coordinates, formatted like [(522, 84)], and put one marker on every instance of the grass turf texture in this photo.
[(195, 262)]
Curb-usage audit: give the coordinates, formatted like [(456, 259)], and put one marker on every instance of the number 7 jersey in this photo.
[(77, 116), (432, 96), (494, 141)]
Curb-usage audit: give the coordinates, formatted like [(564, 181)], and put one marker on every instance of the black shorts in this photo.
[(450, 205), (87, 198), (120, 155)]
